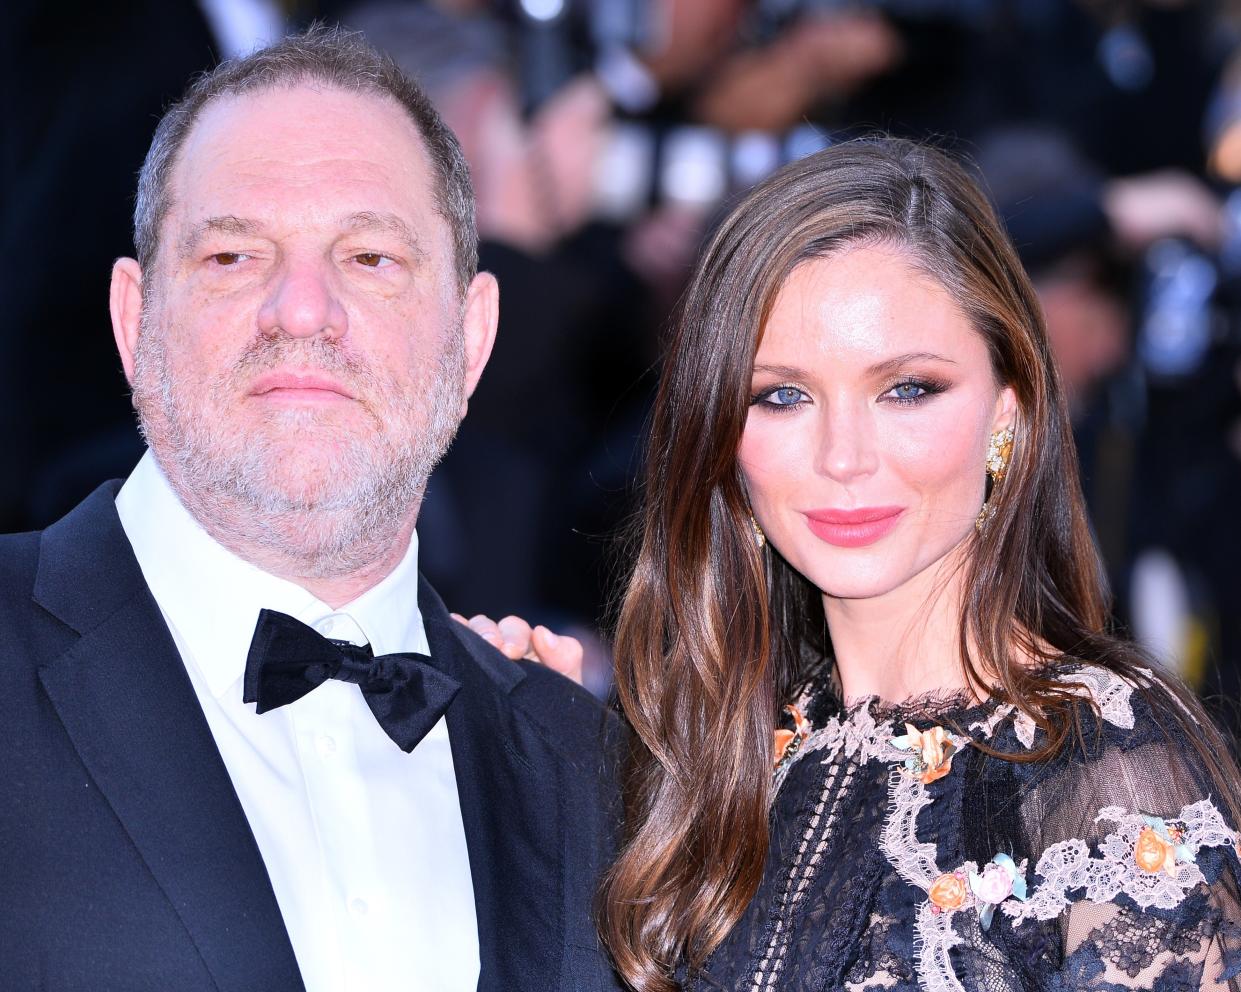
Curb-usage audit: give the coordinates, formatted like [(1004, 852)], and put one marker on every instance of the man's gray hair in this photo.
[(328, 56)]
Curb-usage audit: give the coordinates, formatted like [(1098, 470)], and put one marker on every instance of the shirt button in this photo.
[(325, 745), (358, 907)]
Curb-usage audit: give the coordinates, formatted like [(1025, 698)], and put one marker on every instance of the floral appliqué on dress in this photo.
[(905, 859)]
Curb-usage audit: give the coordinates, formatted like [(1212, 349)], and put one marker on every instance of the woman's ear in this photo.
[(1006, 410)]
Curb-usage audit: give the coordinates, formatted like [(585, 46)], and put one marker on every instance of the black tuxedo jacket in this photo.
[(126, 861)]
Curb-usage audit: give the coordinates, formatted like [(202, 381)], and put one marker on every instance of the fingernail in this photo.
[(552, 639)]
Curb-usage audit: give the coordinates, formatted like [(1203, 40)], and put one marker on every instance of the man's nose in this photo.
[(303, 303)]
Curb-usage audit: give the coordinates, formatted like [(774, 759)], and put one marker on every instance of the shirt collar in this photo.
[(212, 598)]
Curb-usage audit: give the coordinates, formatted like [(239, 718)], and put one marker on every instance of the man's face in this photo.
[(301, 350)]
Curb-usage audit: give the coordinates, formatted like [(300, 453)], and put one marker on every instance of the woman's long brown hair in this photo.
[(715, 635)]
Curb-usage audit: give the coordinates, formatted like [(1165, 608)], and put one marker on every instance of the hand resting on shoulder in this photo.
[(516, 639)]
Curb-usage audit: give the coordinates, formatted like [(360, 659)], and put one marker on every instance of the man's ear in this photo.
[(482, 316), (125, 305)]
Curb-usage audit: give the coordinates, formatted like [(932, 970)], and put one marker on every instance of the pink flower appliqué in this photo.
[(995, 883), (1000, 879)]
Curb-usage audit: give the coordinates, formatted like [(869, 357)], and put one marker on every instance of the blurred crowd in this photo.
[(605, 137)]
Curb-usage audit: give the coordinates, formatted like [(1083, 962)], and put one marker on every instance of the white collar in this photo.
[(212, 598)]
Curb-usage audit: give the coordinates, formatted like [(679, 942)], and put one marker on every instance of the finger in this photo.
[(516, 634), (560, 653), (487, 629)]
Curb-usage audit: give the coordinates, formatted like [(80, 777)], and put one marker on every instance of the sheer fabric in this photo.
[(904, 858)]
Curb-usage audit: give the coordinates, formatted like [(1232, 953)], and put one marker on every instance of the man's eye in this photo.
[(228, 257), (373, 260)]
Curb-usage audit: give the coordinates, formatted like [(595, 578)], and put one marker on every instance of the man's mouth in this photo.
[(300, 387)]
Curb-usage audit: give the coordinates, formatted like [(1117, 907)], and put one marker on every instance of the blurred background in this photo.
[(605, 138)]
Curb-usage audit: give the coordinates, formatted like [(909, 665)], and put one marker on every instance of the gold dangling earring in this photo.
[(759, 537), (999, 452)]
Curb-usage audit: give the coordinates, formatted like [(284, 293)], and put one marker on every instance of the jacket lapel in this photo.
[(124, 697), (509, 786)]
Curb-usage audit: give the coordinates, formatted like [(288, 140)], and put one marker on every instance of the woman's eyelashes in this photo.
[(907, 391), (910, 391), (779, 397)]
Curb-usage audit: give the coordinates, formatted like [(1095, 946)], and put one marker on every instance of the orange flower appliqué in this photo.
[(783, 739), (785, 746), (932, 752), (948, 892), (1153, 853)]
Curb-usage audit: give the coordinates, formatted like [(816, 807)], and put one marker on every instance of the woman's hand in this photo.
[(515, 638)]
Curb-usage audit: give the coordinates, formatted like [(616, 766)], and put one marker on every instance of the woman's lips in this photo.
[(853, 528)]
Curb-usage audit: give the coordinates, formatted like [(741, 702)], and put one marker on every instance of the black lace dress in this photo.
[(904, 858)]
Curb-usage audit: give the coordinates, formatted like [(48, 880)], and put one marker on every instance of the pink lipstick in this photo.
[(853, 528)]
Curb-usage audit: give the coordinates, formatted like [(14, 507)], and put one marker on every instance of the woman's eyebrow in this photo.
[(779, 371), (889, 365), (886, 366)]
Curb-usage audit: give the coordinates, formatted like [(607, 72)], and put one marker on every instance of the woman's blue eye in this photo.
[(785, 396), (908, 391)]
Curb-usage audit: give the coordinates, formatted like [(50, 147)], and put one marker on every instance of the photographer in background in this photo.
[(1132, 277)]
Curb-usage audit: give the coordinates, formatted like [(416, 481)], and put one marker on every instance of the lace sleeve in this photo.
[(1138, 870), (1120, 947)]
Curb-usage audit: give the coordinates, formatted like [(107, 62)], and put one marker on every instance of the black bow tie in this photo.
[(287, 659)]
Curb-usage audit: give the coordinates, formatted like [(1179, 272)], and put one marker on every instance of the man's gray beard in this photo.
[(328, 529)]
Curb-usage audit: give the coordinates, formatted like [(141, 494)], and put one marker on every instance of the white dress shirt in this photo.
[(363, 843)]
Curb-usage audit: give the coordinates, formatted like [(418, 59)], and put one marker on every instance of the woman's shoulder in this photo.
[(1124, 835), (1106, 714), (1128, 739), (1134, 806)]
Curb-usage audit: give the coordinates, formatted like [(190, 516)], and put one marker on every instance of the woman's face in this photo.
[(874, 400)]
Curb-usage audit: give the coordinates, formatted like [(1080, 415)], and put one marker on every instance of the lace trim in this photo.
[(1112, 694), (927, 706), (1065, 868), (914, 861), (1159, 874), (935, 938), (864, 731), (1070, 866), (856, 737)]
